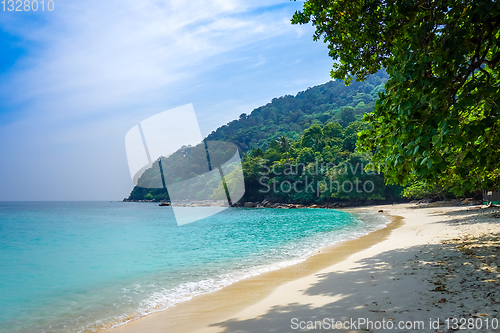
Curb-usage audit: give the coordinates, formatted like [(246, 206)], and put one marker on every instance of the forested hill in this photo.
[(298, 125), (291, 115)]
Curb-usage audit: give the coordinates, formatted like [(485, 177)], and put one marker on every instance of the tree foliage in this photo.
[(438, 119), (317, 168)]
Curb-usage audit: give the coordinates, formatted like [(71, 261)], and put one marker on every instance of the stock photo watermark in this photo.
[(271, 181), (27, 5), (167, 152), (449, 323)]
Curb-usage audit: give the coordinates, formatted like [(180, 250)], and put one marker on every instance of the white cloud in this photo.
[(100, 55)]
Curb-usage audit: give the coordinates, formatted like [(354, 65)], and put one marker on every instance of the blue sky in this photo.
[(73, 81)]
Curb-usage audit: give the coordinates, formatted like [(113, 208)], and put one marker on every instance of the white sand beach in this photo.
[(437, 265)]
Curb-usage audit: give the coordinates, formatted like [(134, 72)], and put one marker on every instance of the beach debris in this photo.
[(381, 211)]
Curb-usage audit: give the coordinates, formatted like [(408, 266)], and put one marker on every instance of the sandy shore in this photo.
[(434, 263)]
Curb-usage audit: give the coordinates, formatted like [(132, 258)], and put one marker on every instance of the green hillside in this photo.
[(291, 115), (317, 126)]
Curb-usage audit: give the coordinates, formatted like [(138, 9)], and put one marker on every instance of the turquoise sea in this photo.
[(81, 266)]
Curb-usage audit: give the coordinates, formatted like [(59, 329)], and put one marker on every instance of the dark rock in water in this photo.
[(164, 204), (249, 204), (381, 211)]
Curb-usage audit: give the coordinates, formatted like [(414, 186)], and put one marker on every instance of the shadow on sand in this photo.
[(458, 278)]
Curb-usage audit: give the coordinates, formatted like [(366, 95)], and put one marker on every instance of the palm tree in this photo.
[(284, 144)]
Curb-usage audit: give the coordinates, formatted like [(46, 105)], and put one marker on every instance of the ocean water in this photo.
[(83, 266)]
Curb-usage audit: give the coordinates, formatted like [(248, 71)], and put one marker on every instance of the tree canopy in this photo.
[(438, 119)]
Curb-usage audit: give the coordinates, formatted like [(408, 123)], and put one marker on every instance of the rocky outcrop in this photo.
[(127, 200), (268, 204)]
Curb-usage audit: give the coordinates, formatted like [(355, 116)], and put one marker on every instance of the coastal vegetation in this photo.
[(437, 122)]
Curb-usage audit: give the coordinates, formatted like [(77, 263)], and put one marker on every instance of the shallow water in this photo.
[(81, 266)]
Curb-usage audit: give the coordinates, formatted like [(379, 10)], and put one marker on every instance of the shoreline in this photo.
[(342, 204), (243, 293), (440, 267)]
